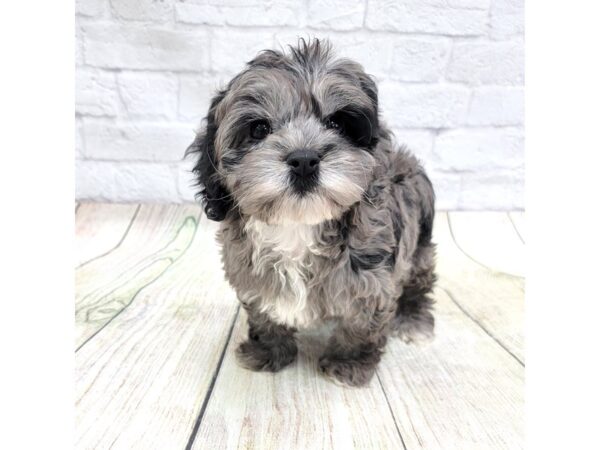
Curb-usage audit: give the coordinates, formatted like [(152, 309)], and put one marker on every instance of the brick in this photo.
[(186, 181), (422, 106), (200, 13), (79, 139), (142, 10), (374, 53), (230, 50), (410, 16), (498, 190), (419, 142), (497, 106), (91, 8), (455, 4), (195, 94), (78, 47), (421, 60), (125, 182), (148, 95), (507, 19), (237, 13), (336, 14), (467, 4), (487, 63), (283, 38), (134, 123), (507, 6), (143, 47), (471, 150), (136, 141), (447, 188), (95, 93)]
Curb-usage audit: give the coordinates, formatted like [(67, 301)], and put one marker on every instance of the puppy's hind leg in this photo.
[(414, 321)]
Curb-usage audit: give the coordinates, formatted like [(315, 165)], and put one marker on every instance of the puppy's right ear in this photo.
[(213, 194)]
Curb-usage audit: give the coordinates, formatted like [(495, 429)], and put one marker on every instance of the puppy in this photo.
[(323, 217)]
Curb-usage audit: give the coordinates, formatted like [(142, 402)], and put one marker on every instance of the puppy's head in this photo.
[(290, 139)]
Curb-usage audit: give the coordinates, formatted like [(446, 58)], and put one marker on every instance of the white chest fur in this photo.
[(285, 250)]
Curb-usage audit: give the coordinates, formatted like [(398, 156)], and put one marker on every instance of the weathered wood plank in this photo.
[(462, 391), (296, 408), (99, 227), (141, 381), (490, 239), (159, 235), (495, 300), (519, 221)]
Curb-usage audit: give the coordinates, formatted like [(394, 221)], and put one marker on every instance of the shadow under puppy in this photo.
[(322, 216)]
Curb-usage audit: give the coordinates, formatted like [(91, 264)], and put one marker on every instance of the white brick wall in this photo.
[(450, 74)]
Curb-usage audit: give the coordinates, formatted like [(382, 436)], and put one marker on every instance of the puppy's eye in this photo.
[(260, 129), (334, 124)]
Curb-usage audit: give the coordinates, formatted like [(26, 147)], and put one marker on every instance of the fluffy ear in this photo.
[(213, 194)]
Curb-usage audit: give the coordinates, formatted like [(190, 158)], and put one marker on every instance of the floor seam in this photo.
[(391, 410), (485, 330), (213, 382)]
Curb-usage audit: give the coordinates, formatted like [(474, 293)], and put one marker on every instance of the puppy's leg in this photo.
[(270, 347), (356, 348), (414, 320)]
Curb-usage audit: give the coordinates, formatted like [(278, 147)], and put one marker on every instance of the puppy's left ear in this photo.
[(213, 194)]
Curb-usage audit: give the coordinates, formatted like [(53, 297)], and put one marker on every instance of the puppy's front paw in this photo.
[(350, 372), (257, 356)]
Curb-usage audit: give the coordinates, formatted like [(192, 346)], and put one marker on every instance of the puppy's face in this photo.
[(291, 138)]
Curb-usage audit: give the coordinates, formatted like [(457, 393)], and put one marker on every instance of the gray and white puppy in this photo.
[(323, 217)]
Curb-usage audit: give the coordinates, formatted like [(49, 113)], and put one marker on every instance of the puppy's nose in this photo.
[(303, 162)]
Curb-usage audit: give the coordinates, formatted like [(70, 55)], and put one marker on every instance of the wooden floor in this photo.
[(156, 326)]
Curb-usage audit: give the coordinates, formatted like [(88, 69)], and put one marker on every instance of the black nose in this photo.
[(303, 162)]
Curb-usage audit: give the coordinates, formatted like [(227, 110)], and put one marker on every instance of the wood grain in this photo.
[(99, 227), (157, 237), (462, 391), (141, 381), (293, 409), (495, 300)]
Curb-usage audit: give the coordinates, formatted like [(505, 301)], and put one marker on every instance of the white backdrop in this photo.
[(450, 75)]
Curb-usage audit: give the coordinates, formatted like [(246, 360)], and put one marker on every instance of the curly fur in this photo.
[(356, 249)]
